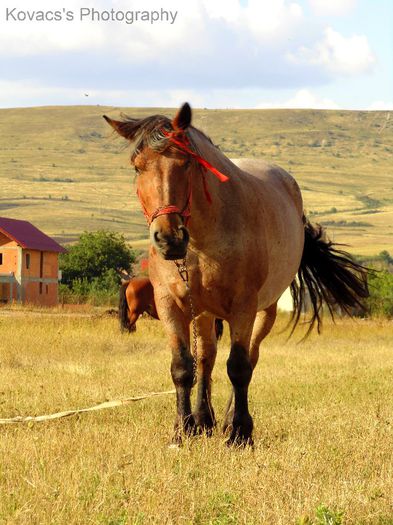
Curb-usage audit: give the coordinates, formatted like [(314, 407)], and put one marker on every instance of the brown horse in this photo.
[(235, 233), (136, 297)]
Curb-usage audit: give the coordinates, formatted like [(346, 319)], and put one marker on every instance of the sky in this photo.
[(324, 54)]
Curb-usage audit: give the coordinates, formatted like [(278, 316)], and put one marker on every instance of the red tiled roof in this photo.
[(28, 236)]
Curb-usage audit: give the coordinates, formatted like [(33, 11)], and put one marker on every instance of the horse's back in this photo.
[(139, 291), (273, 176)]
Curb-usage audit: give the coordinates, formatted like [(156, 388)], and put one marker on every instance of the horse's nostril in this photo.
[(157, 237), (186, 236)]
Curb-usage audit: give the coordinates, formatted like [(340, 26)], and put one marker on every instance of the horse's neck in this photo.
[(205, 216)]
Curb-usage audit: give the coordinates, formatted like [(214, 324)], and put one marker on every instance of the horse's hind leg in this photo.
[(207, 350), (263, 323)]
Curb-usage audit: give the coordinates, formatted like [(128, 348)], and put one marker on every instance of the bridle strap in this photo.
[(180, 139), (167, 209)]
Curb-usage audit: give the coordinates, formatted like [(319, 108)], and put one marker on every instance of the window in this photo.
[(40, 288), (47, 289), (1, 258), (27, 261)]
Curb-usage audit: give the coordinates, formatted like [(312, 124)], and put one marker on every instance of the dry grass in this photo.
[(322, 412)]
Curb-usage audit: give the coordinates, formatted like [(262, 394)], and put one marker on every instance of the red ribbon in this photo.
[(183, 144)]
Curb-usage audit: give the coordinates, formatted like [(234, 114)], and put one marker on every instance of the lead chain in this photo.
[(183, 272)]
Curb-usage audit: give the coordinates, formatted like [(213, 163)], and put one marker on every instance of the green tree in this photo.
[(89, 267)]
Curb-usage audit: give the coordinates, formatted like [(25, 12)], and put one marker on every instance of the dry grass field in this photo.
[(323, 429), (62, 168)]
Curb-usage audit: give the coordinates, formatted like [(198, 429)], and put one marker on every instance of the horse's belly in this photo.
[(283, 265)]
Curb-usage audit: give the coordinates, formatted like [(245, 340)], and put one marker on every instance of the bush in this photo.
[(380, 302), (89, 267)]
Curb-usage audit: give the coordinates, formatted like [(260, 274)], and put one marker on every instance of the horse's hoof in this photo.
[(240, 431), (205, 423), (239, 441), (190, 428), (184, 428)]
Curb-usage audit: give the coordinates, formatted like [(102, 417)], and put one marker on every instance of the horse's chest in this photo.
[(216, 288), (210, 290)]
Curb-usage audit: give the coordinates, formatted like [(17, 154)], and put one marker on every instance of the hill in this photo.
[(63, 169)]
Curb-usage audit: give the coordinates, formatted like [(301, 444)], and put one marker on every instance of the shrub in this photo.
[(89, 267), (380, 302)]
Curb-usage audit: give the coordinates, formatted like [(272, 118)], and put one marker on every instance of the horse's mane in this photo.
[(149, 131)]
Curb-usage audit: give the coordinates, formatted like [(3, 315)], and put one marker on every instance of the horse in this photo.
[(136, 297), (226, 239)]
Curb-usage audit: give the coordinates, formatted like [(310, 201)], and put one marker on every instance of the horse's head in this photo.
[(163, 176)]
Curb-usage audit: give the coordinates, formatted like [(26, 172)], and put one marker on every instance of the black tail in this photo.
[(329, 276), (123, 308)]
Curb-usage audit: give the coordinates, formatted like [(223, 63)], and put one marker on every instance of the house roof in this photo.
[(28, 236)]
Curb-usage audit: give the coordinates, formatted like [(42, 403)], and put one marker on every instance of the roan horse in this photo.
[(236, 240)]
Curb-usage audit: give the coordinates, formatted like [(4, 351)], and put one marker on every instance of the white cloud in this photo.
[(332, 7), (26, 38), (221, 53), (303, 99), (381, 105), (266, 20), (338, 54), (196, 25)]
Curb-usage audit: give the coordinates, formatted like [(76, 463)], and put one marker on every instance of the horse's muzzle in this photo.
[(171, 246)]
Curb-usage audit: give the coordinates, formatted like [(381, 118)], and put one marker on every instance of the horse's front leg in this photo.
[(182, 370), (239, 369), (182, 366), (207, 350), (263, 323)]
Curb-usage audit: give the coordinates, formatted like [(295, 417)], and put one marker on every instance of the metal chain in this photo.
[(183, 272)]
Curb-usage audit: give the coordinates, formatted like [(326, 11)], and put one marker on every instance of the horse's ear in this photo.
[(183, 117), (125, 129)]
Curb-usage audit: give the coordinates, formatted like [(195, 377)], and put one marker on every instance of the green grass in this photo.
[(62, 168), (322, 412)]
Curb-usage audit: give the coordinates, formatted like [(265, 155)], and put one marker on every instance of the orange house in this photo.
[(29, 268)]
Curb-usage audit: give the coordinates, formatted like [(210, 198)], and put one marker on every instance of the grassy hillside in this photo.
[(62, 169)]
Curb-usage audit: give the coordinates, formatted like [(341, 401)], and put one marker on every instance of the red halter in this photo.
[(167, 209), (182, 142)]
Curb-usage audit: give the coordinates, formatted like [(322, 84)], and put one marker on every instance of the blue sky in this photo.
[(233, 53)]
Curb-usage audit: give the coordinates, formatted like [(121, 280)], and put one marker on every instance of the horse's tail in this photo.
[(123, 308), (219, 326), (329, 275)]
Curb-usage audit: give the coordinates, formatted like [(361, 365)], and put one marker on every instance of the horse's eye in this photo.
[(187, 164), (137, 170)]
